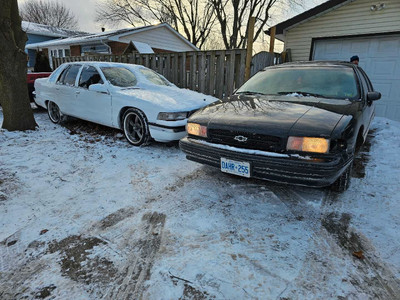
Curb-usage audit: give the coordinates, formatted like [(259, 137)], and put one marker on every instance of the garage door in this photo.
[(379, 57)]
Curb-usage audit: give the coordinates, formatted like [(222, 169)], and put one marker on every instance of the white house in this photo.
[(146, 39)]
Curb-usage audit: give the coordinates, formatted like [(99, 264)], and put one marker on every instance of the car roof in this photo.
[(104, 64), (316, 63)]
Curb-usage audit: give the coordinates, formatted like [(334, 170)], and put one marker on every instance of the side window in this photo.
[(71, 75), (89, 76), (62, 75)]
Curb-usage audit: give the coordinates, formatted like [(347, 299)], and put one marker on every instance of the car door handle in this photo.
[(77, 92)]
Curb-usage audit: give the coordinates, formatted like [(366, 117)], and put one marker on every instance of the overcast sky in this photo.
[(85, 10)]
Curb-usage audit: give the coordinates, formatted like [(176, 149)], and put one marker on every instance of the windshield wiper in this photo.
[(250, 93), (306, 94)]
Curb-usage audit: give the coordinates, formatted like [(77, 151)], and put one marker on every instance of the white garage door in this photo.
[(379, 57)]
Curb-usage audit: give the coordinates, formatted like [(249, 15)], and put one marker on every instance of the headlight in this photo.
[(172, 116), (308, 144), (196, 129)]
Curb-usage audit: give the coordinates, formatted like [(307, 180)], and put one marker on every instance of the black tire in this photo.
[(54, 112), (135, 127), (343, 182)]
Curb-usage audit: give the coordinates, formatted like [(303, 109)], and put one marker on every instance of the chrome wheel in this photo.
[(54, 112), (135, 127)]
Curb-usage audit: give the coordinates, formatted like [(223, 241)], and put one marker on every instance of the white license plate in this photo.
[(240, 168)]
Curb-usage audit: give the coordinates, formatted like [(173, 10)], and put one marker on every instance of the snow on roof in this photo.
[(143, 48), (46, 30), (86, 38), (103, 36)]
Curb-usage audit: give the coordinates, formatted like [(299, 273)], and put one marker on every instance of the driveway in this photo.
[(84, 215)]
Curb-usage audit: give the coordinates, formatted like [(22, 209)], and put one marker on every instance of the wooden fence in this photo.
[(216, 72), (263, 59)]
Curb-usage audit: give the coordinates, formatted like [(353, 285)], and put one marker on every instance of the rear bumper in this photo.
[(283, 168)]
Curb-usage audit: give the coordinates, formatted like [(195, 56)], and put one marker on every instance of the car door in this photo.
[(66, 90), (93, 105), (369, 107)]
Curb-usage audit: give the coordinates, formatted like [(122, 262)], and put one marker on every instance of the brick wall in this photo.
[(75, 50), (117, 48)]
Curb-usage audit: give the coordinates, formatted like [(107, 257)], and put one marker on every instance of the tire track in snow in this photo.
[(329, 229), (131, 284)]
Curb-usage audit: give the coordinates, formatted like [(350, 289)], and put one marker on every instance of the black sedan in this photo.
[(297, 123)]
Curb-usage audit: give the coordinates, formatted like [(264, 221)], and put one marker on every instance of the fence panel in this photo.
[(215, 72), (261, 60)]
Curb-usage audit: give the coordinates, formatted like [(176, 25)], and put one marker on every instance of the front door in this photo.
[(92, 106)]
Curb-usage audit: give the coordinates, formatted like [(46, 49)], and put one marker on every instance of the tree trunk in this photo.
[(17, 112)]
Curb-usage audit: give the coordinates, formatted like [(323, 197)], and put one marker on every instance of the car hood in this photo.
[(276, 116), (169, 98)]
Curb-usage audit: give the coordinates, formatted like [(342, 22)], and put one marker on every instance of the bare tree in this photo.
[(14, 98), (233, 17), (194, 19), (49, 13)]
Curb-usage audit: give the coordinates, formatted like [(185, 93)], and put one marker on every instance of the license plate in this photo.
[(239, 168)]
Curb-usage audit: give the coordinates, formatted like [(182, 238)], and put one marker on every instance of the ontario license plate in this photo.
[(239, 168)]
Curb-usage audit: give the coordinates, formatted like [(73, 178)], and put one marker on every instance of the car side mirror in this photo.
[(372, 96), (98, 87)]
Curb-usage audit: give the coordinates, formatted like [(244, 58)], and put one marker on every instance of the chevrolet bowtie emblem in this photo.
[(240, 138)]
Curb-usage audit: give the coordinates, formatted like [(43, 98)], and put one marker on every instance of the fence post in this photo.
[(202, 70), (250, 36), (193, 71), (174, 68), (272, 39), (230, 73), (183, 70), (211, 74), (220, 74)]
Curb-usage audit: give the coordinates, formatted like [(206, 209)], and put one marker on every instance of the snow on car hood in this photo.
[(169, 98)]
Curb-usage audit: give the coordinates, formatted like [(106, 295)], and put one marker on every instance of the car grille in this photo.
[(238, 139)]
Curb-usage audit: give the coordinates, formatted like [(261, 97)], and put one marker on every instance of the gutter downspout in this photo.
[(109, 48)]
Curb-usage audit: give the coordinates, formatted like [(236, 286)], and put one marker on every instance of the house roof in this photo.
[(309, 14), (113, 35), (46, 30)]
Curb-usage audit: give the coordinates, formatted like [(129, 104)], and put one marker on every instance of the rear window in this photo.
[(68, 75), (54, 76), (71, 75), (327, 82)]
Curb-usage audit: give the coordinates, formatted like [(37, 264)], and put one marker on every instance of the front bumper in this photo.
[(165, 133), (283, 168)]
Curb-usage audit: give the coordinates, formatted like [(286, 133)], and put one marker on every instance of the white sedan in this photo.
[(133, 98)]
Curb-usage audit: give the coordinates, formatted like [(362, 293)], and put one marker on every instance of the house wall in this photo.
[(117, 48), (159, 38), (355, 18), (75, 50), (35, 38)]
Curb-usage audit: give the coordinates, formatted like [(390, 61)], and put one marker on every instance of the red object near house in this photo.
[(30, 79)]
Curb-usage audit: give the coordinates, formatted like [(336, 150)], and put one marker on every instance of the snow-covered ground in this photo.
[(84, 215)]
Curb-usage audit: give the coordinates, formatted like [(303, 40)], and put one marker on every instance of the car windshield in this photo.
[(154, 77), (325, 82), (119, 76)]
